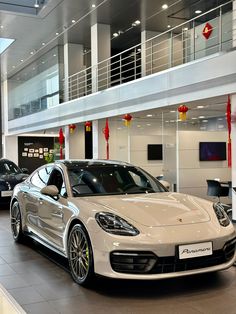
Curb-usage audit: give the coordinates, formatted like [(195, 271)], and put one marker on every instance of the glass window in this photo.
[(112, 179), (56, 178), (40, 178)]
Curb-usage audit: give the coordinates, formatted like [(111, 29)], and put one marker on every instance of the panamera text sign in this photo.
[(195, 250)]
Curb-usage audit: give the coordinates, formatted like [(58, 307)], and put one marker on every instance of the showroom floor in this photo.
[(41, 285)]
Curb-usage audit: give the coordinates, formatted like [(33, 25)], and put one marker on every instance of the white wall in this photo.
[(194, 173)]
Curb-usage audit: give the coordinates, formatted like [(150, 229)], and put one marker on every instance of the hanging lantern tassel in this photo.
[(61, 141), (88, 126), (72, 128), (106, 133), (127, 119), (228, 116), (183, 112)]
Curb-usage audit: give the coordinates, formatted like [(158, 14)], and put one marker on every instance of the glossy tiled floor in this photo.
[(43, 287)]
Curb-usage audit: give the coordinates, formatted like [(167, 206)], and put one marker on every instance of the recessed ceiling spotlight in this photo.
[(93, 5), (137, 22), (43, 62), (220, 119), (13, 67), (198, 11), (185, 29), (1, 26), (115, 35), (200, 107), (172, 111), (148, 124), (36, 5), (43, 44), (194, 118), (31, 52), (168, 26), (201, 117), (204, 120), (54, 55), (21, 60), (73, 21), (165, 6), (149, 115), (57, 34)]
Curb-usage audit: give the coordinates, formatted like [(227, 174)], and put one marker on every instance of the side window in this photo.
[(56, 179), (40, 178)]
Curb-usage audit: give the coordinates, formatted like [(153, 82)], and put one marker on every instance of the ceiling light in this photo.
[(115, 34), (198, 11), (43, 44), (164, 6), (201, 117), (172, 111), (194, 118), (168, 26), (93, 5), (200, 107), (73, 21), (21, 60), (57, 34), (54, 55), (138, 126), (36, 5), (185, 29), (149, 115), (1, 26), (220, 119), (148, 124), (204, 120), (137, 22), (31, 52), (13, 66)]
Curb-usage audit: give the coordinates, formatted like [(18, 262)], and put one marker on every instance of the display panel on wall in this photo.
[(154, 152), (212, 151), (33, 150)]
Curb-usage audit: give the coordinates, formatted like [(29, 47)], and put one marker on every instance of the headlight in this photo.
[(221, 214), (115, 224)]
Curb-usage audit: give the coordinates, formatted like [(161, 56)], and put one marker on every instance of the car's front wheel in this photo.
[(80, 256), (16, 222)]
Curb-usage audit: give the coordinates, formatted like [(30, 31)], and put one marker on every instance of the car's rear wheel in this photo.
[(80, 256), (16, 222)]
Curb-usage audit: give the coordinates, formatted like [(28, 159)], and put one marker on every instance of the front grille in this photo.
[(149, 263)]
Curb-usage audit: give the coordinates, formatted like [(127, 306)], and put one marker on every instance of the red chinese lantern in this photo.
[(72, 128), (106, 133), (61, 142), (88, 126), (183, 112), (207, 30), (127, 119)]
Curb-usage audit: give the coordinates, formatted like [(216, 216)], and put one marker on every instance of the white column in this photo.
[(100, 50), (67, 142), (143, 52), (233, 143), (233, 125)]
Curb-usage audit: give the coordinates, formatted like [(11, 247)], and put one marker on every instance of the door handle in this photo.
[(40, 200), (58, 214)]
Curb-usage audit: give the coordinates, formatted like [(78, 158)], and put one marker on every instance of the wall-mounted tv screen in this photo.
[(212, 151), (155, 152)]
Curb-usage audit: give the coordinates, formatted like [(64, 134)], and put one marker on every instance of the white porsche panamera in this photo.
[(114, 219)]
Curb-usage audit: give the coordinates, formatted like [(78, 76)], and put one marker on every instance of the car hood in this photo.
[(157, 209)]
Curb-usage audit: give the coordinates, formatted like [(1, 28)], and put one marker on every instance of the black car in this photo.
[(10, 175)]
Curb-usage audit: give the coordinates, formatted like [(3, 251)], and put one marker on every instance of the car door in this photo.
[(54, 212), (31, 196)]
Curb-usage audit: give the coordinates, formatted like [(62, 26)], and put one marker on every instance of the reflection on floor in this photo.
[(41, 286)]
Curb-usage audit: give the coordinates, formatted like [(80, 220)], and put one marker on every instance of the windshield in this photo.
[(8, 167), (112, 179)]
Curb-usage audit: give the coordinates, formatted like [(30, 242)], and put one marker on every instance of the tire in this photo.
[(16, 223), (80, 256)]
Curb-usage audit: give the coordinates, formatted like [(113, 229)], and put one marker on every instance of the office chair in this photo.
[(214, 188)]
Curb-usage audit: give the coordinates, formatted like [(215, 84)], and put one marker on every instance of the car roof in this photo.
[(90, 162)]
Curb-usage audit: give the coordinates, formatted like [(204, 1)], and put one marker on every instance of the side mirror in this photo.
[(50, 190), (25, 170)]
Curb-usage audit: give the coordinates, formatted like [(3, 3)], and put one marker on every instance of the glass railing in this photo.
[(184, 43)]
